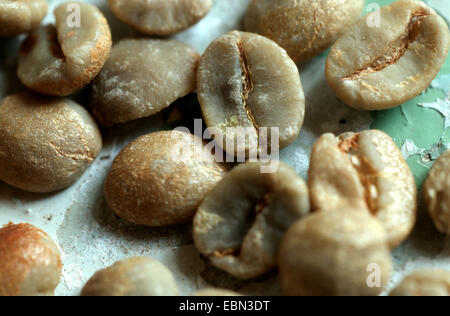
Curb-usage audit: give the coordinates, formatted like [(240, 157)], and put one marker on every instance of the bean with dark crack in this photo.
[(248, 81), (364, 171), (46, 144), (60, 60), (376, 68), (239, 225)]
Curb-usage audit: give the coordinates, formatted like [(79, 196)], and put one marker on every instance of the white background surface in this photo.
[(91, 237)]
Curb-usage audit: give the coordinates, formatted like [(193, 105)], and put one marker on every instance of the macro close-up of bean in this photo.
[(239, 149)]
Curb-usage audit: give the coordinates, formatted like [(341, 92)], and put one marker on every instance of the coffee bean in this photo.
[(18, 17), (304, 28), (160, 179), (377, 68), (436, 191), (142, 83), (31, 262), (240, 223), (333, 253), (45, 143), (60, 60), (247, 81), (137, 276), (215, 292), (160, 17), (364, 171), (424, 283)]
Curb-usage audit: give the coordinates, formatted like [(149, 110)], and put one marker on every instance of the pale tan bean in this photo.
[(436, 192), (424, 283), (46, 144), (334, 253), (60, 60), (137, 276), (364, 171), (151, 183), (30, 261), (304, 28), (239, 225), (376, 68)]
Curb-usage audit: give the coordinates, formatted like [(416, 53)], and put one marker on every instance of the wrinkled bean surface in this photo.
[(364, 171), (240, 223), (141, 78), (246, 80), (45, 143), (60, 60), (304, 28), (376, 68), (160, 17)]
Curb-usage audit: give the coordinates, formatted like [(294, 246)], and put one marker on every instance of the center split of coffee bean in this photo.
[(54, 45), (247, 84), (395, 50), (258, 208), (366, 172)]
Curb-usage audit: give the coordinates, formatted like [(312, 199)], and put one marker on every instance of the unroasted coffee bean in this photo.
[(437, 193), (160, 179), (137, 276), (60, 60), (376, 68), (141, 78), (246, 80), (334, 253), (17, 17), (45, 143), (424, 283), (304, 28), (30, 261), (240, 223), (160, 17), (364, 171)]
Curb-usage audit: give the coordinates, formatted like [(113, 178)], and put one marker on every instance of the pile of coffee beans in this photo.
[(324, 234)]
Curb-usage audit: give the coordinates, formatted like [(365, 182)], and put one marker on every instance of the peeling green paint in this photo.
[(423, 126)]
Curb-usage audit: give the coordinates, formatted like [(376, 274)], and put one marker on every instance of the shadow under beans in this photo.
[(10, 192), (180, 114), (262, 285), (89, 219), (176, 236), (425, 240)]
